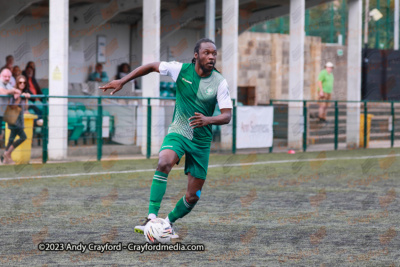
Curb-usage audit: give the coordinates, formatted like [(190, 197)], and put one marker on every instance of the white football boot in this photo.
[(140, 228)]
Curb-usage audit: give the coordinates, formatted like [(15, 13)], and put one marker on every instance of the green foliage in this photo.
[(329, 20)]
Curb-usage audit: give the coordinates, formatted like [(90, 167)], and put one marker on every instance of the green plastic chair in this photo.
[(164, 93), (72, 119), (75, 125), (91, 120), (80, 106), (71, 106), (82, 118), (163, 86)]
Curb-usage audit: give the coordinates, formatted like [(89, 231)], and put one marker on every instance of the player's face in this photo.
[(207, 56)]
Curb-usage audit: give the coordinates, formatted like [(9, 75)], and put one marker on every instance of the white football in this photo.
[(158, 231)]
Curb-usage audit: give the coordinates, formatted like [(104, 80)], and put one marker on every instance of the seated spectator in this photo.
[(123, 70), (33, 87), (18, 127), (99, 75)]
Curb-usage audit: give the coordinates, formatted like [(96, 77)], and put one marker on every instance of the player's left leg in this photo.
[(196, 165), (170, 154), (327, 97), (189, 200)]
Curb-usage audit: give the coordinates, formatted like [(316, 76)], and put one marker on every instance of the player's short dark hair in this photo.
[(197, 48)]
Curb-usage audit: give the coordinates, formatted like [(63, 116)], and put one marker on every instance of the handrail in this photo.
[(336, 112), (99, 97), (333, 101), (96, 97)]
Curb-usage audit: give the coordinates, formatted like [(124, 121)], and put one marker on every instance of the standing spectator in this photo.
[(23, 87), (9, 62), (99, 75), (9, 65), (16, 71), (5, 89), (33, 87), (18, 127), (32, 65), (325, 88)]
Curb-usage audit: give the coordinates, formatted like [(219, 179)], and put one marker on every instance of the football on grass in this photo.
[(158, 231)]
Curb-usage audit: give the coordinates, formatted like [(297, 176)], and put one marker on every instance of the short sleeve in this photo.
[(321, 76), (170, 69), (223, 96)]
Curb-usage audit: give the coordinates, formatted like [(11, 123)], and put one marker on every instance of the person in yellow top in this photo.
[(325, 88)]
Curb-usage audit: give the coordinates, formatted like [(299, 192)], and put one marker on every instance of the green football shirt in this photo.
[(195, 94), (327, 81)]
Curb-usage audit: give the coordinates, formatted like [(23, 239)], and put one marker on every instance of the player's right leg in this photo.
[(167, 159)]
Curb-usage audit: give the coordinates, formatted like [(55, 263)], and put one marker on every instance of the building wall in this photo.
[(264, 63), (82, 52), (27, 39), (263, 57), (177, 46)]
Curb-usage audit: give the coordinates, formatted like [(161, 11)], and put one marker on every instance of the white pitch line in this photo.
[(210, 166)]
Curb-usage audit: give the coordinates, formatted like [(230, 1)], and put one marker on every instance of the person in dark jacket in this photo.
[(32, 87)]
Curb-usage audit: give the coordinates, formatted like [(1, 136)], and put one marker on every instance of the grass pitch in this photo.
[(309, 209)]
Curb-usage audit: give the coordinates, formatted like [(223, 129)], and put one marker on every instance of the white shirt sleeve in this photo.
[(170, 69), (223, 96)]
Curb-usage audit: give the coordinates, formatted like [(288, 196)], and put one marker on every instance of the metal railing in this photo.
[(99, 120), (336, 118), (148, 108)]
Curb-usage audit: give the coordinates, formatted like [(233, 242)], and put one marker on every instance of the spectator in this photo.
[(33, 87), (5, 89), (99, 75), (18, 127), (9, 62), (22, 86), (123, 70), (32, 65), (9, 65), (16, 71), (325, 88)]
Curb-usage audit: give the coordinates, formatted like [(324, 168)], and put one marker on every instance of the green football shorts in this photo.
[(197, 154)]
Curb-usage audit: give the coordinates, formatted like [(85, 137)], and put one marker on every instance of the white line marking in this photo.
[(210, 166)]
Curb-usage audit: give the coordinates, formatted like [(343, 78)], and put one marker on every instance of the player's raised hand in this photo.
[(198, 120), (115, 84)]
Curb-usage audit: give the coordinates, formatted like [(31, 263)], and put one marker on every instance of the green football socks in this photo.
[(157, 191), (181, 209)]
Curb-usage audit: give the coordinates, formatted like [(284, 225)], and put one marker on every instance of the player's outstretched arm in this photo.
[(117, 85), (199, 120)]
